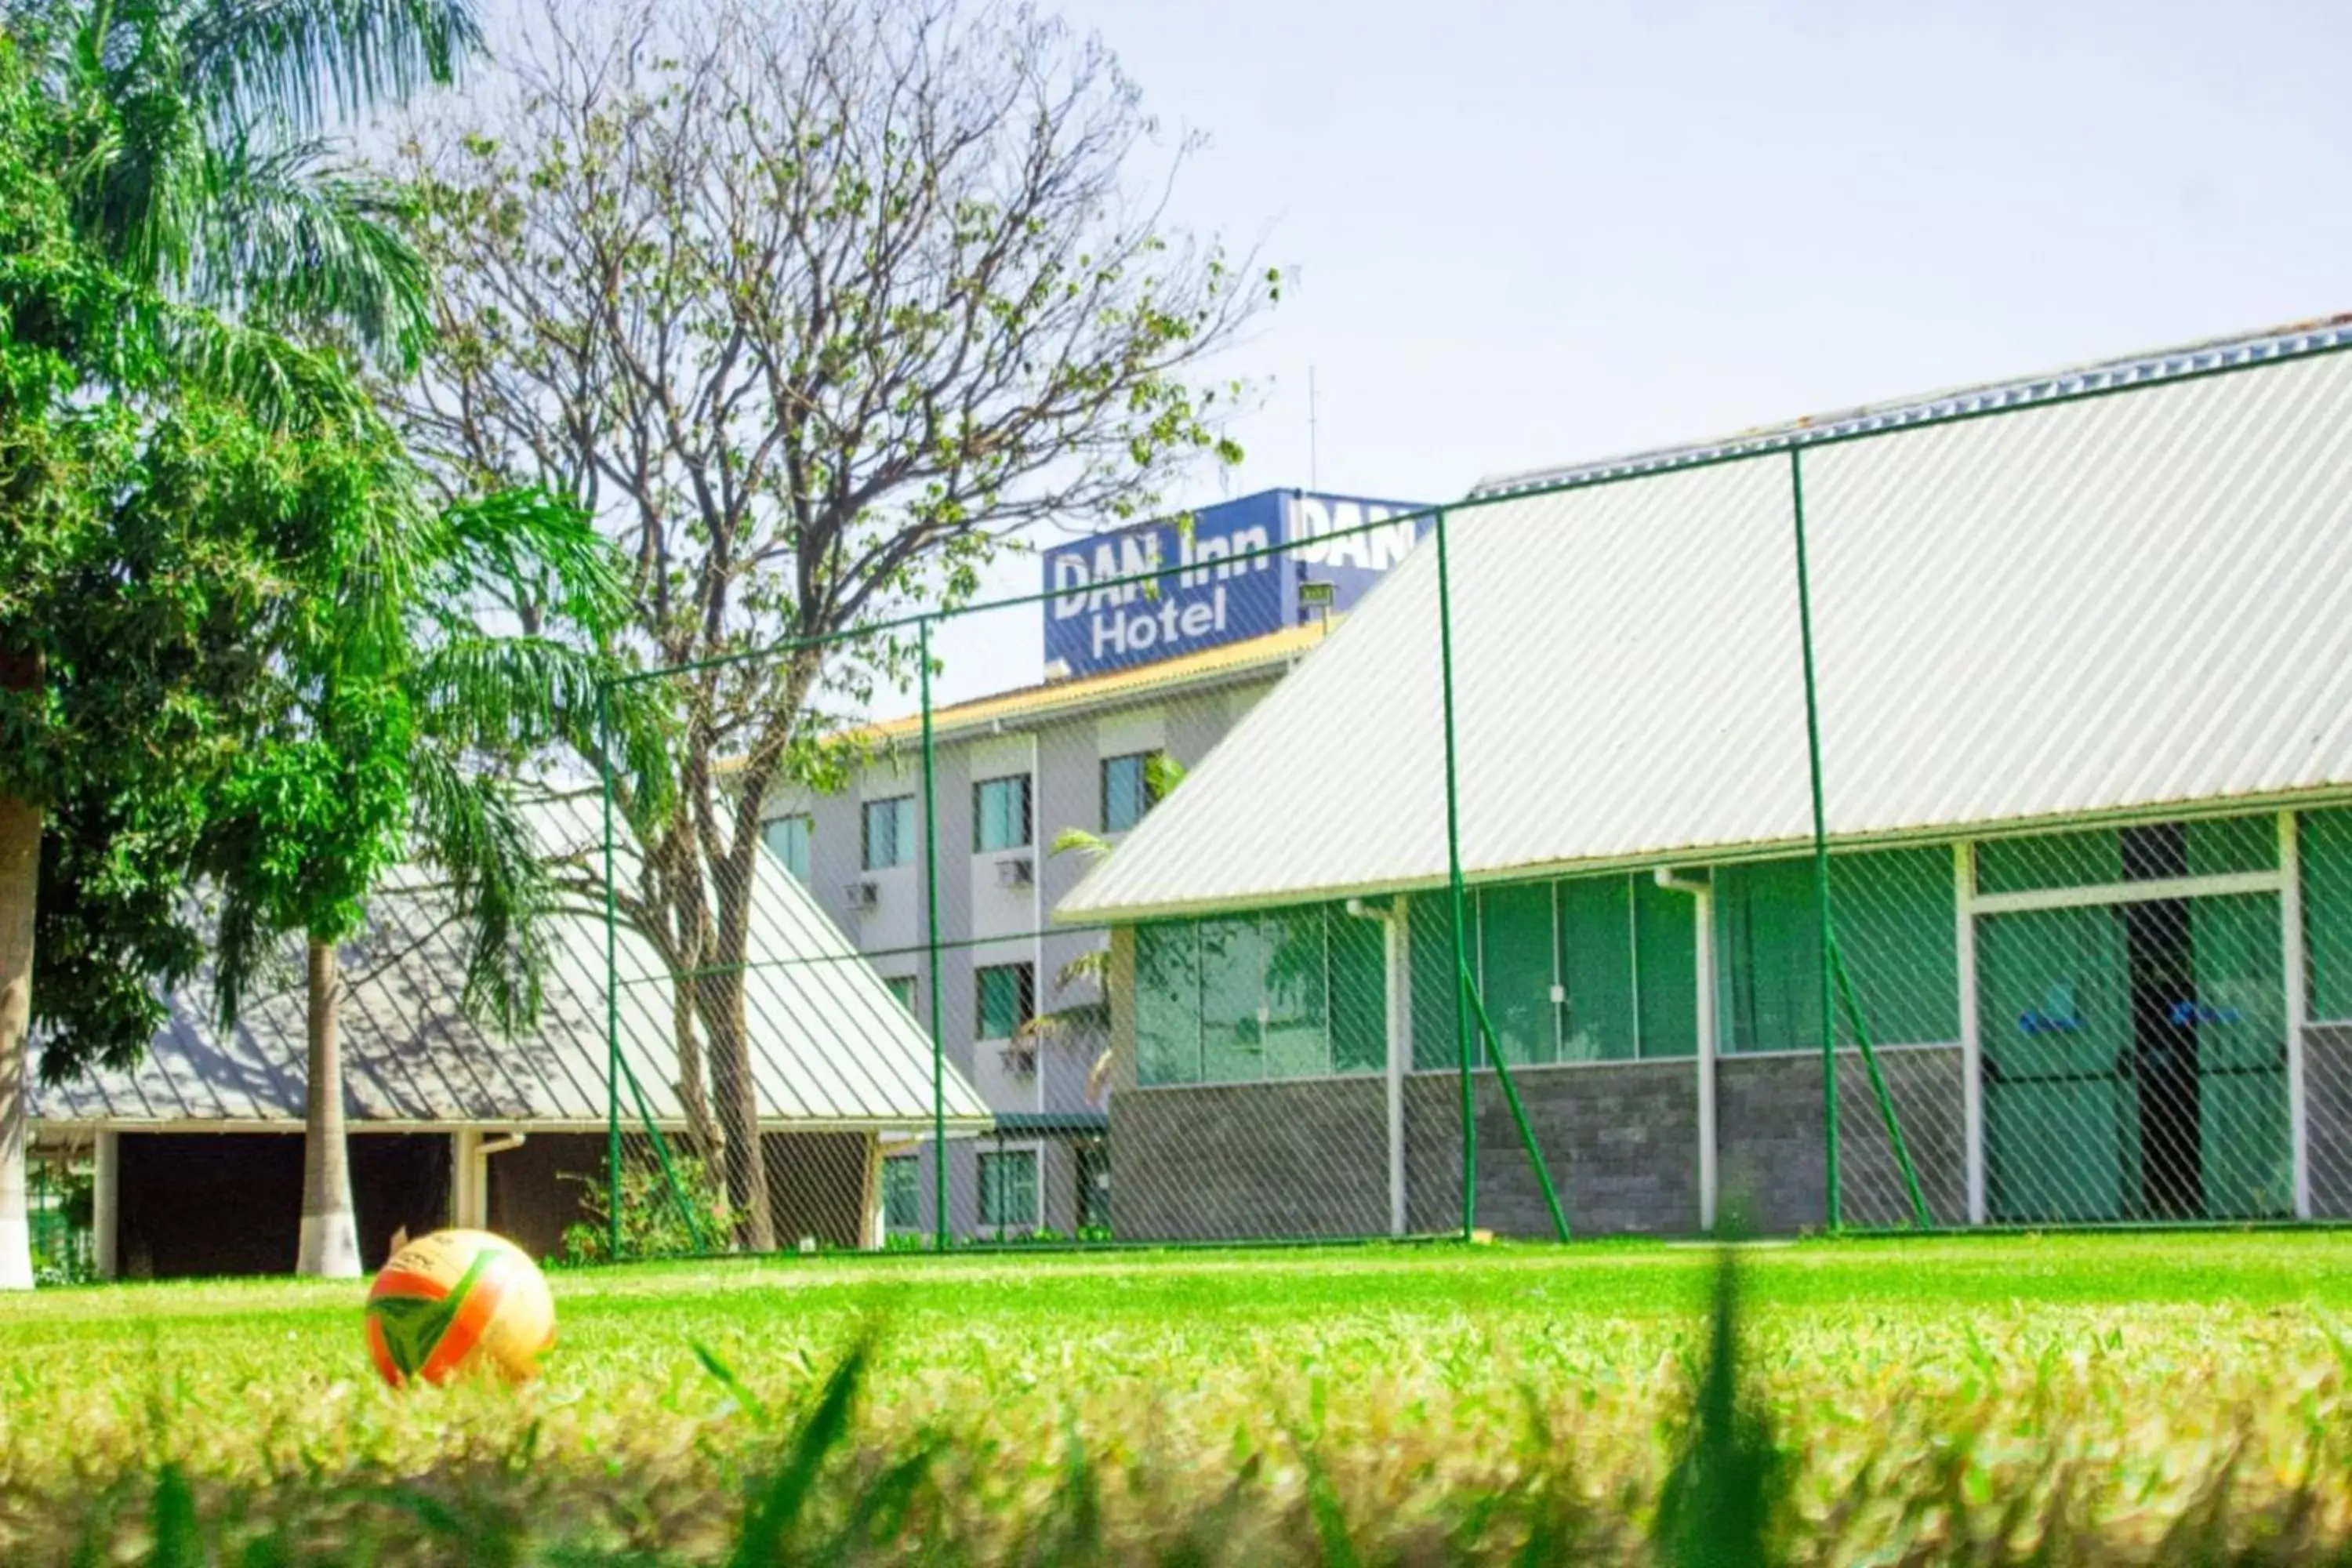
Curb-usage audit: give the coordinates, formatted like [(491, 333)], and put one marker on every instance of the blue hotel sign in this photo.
[(1227, 579)]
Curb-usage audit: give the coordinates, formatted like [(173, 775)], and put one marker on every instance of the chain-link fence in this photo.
[(1938, 818)]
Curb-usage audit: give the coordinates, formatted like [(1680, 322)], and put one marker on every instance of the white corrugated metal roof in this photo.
[(2110, 603), (2210, 357), (831, 1044)]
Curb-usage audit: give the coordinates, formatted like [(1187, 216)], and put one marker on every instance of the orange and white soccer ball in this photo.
[(457, 1302)]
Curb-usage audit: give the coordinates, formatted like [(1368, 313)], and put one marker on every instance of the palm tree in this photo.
[(209, 160), (401, 731), (199, 160)]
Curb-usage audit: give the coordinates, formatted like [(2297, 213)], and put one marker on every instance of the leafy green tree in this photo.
[(206, 158), (158, 537), (173, 476), (815, 305), (402, 736)]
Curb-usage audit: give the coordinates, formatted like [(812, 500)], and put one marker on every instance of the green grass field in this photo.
[(2176, 1398)]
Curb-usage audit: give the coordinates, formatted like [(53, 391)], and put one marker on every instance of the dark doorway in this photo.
[(198, 1203)]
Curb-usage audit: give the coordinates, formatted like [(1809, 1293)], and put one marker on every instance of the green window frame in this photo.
[(788, 839), (901, 1193), (1130, 790), (1008, 1189), (902, 986), (1006, 997), (999, 814), (888, 836)]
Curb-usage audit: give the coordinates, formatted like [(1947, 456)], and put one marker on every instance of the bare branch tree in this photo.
[(817, 304)]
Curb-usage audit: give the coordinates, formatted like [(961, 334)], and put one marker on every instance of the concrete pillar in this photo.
[(469, 1201), (873, 1224), (105, 1206)]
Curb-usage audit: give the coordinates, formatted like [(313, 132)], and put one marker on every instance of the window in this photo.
[(1008, 999), (788, 840), (2327, 855), (1291, 994), (999, 814), (1008, 1189), (1168, 1002), (889, 832), (901, 1195), (1131, 786), (902, 986), (1892, 913), (1591, 969)]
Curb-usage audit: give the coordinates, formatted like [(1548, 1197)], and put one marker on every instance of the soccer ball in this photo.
[(456, 1302)]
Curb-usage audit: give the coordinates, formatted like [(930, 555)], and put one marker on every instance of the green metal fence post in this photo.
[(1519, 1113), (612, 980), (932, 948), (1886, 1115), (1834, 1197), (1453, 881)]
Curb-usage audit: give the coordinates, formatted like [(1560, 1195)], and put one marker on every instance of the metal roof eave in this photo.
[(1709, 857)]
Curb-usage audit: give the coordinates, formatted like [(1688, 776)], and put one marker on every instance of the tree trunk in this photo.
[(20, 876), (720, 1003), (331, 1238)]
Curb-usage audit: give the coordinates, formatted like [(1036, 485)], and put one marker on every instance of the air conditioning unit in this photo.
[(860, 896), (1014, 871)]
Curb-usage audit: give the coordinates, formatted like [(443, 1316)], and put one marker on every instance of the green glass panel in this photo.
[(2246, 1160), (1233, 989), (1126, 791), (901, 1193), (890, 837), (2231, 844), (1667, 944), (787, 838), (1168, 1002), (1596, 967), (1515, 975), (1296, 1042), (1008, 1188), (1430, 928), (1359, 1008), (2056, 1010), (1769, 957), (2326, 851), (1005, 996), (2050, 860), (2216, 847), (1896, 930), (1001, 813)]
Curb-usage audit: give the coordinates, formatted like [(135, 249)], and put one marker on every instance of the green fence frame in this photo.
[(1473, 1026)]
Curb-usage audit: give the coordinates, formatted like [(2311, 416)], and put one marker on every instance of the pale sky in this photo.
[(1525, 233), (1520, 235)]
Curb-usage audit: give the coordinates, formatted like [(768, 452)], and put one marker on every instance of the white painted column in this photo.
[(1703, 906), (1963, 937), (876, 1224), (105, 1206), (2298, 1005), (1395, 941), (465, 1206)]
